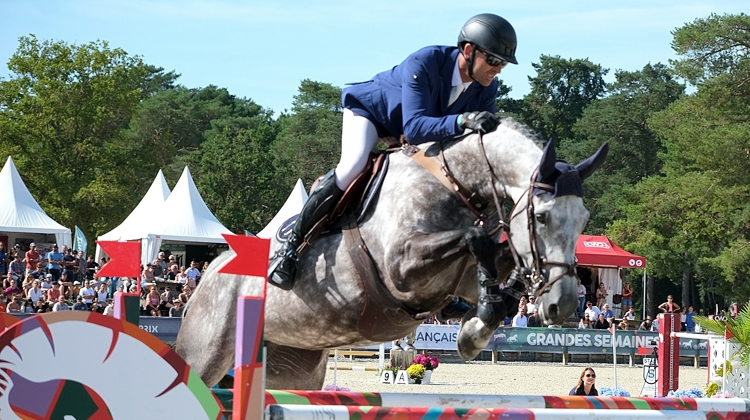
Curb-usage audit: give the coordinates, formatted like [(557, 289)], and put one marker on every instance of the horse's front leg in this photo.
[(475, 333)]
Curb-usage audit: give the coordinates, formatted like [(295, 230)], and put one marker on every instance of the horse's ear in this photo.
[(588, 166), (549, 157)]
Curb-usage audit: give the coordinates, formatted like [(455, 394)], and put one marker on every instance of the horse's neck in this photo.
[(512, 156)]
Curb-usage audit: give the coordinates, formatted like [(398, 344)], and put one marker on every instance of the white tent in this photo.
[(19, 211), (132, 228), (183, 217), (290, 209), (143, 213)]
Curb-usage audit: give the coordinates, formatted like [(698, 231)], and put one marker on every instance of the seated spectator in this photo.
[(147, 276), (601, 323), (96, 307), (102, 295), (28, 307), (80, 305), (185, 295), (176, 311), (3, 307), (520, 320), (28, 282), (46, 282), (655, 325), (109, 310), (165, 304), (13, 289), (42, 306), (608, 314), (76, 289), (646, 325), (35, 293), (584, 323), (172, 274), (534, 321), (14, 305), (623, 325), (630, 314), (592, 311), (88, 294), (60, 305), (158, 270), (152, 302), (54, 292)]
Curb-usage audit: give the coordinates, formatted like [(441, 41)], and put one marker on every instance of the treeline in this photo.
[(89, 126)]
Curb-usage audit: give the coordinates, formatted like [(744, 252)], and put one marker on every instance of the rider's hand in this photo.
[(481, 122)]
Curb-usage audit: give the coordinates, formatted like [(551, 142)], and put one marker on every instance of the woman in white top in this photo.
[(35, 293)]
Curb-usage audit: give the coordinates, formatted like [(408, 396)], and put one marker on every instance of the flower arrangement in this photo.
[(429, 362), (693, 392), (613, 392), (416, 372), (334, 387)]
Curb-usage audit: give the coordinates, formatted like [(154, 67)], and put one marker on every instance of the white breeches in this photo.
[(358, 138)]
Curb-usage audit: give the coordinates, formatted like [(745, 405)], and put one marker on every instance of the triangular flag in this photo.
[(251, 257), (727, 333), (124, 259), (612, 328)]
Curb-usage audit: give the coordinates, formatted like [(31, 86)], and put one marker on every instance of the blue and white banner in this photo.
[(79, 242)]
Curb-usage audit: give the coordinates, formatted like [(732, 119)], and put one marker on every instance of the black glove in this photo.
[(481, 122)]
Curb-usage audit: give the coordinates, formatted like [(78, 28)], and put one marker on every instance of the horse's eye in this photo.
[(541, 218)]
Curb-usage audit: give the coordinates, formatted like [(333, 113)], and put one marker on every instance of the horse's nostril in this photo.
[(552, 311)]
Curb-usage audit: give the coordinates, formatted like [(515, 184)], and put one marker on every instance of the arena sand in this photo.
[(513, 378)]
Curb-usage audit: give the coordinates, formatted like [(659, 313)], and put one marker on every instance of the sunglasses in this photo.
[(492, 59), (588, 375)]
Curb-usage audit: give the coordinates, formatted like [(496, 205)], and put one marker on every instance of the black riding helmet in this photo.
[(491, 33)]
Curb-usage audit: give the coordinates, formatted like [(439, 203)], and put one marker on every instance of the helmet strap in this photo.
[(470, 62)]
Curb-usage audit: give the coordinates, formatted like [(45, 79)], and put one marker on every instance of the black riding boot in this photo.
[(283, 268)]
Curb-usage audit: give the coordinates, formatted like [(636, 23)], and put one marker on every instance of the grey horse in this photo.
[(426, 246)]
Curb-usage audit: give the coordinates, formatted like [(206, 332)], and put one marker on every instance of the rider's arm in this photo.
[(422, 118)]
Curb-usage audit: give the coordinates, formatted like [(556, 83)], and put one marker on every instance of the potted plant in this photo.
[(416, 373), (430, 363)]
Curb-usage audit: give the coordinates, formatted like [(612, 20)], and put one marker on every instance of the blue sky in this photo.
[(263, 49)]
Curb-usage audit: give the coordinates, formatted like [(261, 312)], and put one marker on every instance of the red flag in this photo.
[(251, 257), (124, 259), (612, 328), (727, 334)]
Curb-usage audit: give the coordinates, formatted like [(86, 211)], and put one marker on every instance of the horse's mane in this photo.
[(523, 129), (507, 122)]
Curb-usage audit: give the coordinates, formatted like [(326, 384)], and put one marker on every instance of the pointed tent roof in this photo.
[(19, 211), (141, 216), (599, 251), (185, 217), (291, 208)]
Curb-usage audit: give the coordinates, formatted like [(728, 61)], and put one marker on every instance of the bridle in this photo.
[(533, 276)]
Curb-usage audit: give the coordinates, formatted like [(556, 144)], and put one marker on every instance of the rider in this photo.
[(435, 94)]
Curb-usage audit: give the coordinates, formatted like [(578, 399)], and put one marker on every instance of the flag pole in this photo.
[(614, 352)]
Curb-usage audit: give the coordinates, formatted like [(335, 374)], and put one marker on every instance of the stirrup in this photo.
[(282, 270)]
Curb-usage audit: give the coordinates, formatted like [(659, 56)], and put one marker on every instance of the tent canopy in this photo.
[(143, 214), (179, 216), (19, 211), (599, 251)]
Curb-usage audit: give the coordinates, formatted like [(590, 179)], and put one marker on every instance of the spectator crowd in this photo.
[(62, 279)]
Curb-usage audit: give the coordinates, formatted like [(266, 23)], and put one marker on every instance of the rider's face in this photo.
[(483, 72)]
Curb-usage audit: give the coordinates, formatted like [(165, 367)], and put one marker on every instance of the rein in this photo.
[(476, 204)]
